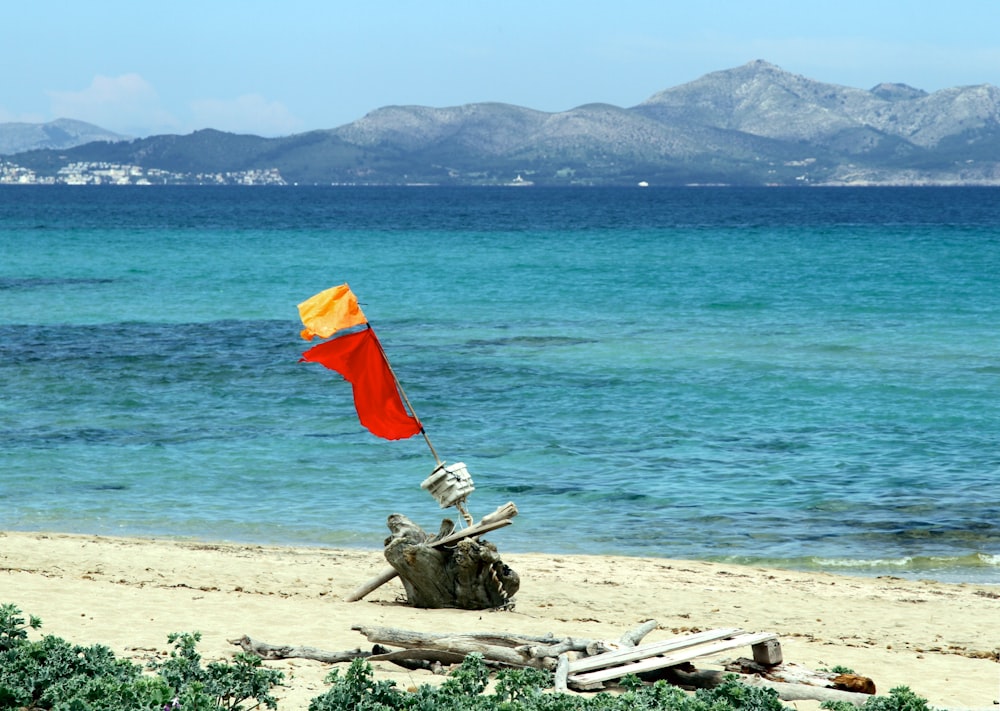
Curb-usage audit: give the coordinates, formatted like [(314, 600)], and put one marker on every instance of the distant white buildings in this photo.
[(99, 173)]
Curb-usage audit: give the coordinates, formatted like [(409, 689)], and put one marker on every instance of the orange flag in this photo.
[(330, 311), (359, 358)]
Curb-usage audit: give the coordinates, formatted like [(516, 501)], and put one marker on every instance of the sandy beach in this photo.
[(940, 640)]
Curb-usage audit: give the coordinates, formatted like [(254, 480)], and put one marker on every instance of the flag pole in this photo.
[(460, 505), (402, 392)]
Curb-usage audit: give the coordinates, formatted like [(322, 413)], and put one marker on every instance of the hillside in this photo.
[(17, 137), (753, 124)]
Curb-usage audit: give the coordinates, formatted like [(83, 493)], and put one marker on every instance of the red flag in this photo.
[(359, 358)]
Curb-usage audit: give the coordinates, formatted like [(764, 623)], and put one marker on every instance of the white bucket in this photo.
[(449, 484)]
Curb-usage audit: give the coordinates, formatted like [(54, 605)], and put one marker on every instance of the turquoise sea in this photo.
[(806, 378)]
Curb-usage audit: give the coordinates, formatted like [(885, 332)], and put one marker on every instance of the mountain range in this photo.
[(59, 134), (751, 125)]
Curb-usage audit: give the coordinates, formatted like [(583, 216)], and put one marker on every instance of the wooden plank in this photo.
[(629, 654), (679, 657)]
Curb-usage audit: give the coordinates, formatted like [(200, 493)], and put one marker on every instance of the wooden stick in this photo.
[(498, 519), (376, 582)]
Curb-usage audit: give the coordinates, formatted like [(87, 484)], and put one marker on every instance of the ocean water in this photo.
[(803, 378)]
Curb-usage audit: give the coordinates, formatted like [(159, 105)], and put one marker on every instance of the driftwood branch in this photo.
[(431, 660), (376, 582), (511, 651), (635, 636), (274, 651)]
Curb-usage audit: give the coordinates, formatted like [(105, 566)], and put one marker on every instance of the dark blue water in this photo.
[(795, 377)]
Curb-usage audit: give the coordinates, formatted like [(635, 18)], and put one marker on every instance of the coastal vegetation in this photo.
[(51, 673)]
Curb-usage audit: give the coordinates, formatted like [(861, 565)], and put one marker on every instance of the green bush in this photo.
[(51, 673), (13, 630), (219, 685), (525, 690), (899, 699)]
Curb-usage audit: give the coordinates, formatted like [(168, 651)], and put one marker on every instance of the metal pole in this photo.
[(402, 393)]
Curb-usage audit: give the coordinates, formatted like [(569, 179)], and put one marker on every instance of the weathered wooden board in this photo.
[(669, 660), (630, 654)]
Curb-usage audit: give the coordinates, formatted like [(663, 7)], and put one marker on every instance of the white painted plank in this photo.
[(629, 654), (670, 660)]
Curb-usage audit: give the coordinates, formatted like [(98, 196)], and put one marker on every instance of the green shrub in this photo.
[(526, 690), (51, 673), (13, 630), (358, 690), (219, 685), (899, 699)]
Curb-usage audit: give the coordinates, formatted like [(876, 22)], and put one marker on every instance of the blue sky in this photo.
[(276, 68)]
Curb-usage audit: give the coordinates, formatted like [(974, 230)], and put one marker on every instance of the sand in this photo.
[(940, 640)]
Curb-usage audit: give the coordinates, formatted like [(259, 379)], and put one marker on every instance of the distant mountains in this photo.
[(57, 135), (750, 125)]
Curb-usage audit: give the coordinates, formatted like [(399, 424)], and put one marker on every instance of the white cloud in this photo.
[(250, 113), (11, 117), (127, 104)]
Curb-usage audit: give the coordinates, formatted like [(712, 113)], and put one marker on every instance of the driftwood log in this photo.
[(708, 678), (507, 650), (284, 651), (467, 575), (498, 519), (797, 674)]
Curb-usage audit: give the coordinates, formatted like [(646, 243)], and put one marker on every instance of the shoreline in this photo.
[(975, 567), (940, 639)]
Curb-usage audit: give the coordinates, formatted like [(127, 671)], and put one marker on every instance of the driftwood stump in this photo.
[(467, 575)]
